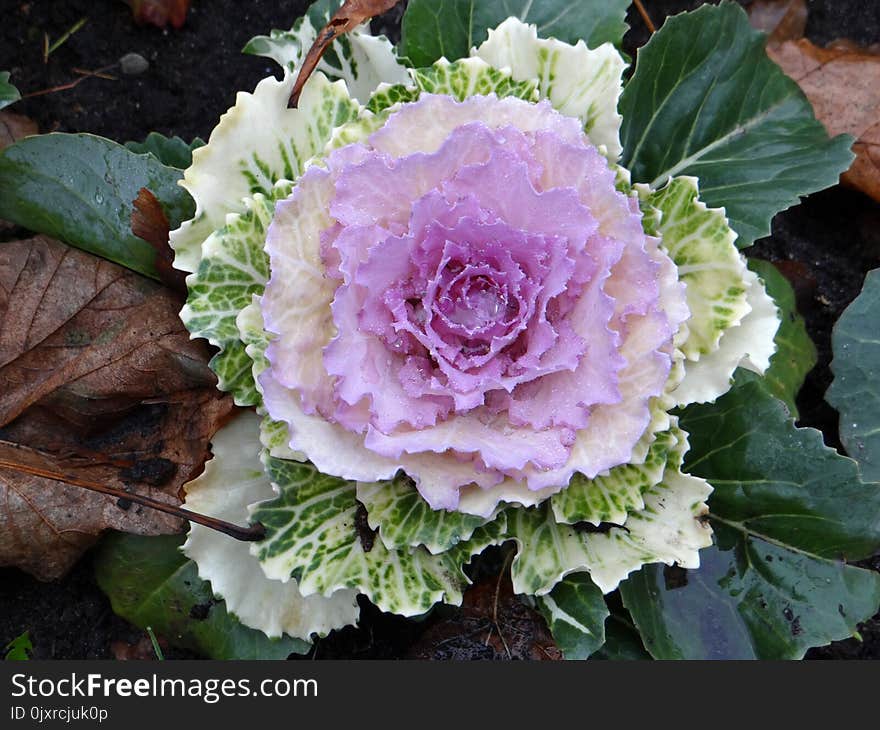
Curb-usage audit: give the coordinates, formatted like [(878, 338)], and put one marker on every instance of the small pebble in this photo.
[(133, 64)]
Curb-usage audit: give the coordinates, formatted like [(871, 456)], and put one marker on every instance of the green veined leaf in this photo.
[(855, 391), (404, 519), (575, 611), (80, 188), (470, 77), (436, 28), (612, 496), (795, 352), (786, 510), (171, 151), (622, 641), (234, 267), (753, 601), (668, 529), (706, 101), (701, 243), (778, 482), (8, 93), (312, 536), (151, 583), (256, 144)]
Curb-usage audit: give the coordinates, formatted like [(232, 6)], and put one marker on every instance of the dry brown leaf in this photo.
[(149, 222), (782, 20), (100, 381), (843, 86), (15, 126), (349, 16)]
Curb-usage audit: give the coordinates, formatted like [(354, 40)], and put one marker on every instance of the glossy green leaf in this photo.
[(778, 482), (450, 28), (575, 611), (151, 583), (753, 601), (705, 100), (795, 352), (622, 641), (171, 151), (80, 188), (786, 511), (855, 391), (8, 93)]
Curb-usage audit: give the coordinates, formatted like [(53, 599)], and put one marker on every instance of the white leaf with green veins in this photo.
[(256, 144), (232, 481), (233, 268), (360, 59), (610, 497), (669, 529), (404, 519), (579, 81), (312, 537), (701, 243), (749, 345)]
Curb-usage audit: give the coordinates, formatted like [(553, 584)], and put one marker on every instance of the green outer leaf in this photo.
[(785, 510), (622, 641), (755, 601), (701, 243), (405, 519), (470, 77), (778, 482), (311, 535), (855, 391), (706, 101), (80, 188), (151, 583), (8, 93), (170, 151), (575, 610), (436, 28), (795, 352), (234, 267), (611, 497), (19, 649)]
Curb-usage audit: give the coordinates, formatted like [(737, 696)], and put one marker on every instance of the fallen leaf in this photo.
[(160, 13), (101, 382), (349, 16), (492, 623), (15, 126), (782, 20), (149, 222), (12, 128), (843, 84)]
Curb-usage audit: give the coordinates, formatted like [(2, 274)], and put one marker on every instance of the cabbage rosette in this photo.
[(460, 325)]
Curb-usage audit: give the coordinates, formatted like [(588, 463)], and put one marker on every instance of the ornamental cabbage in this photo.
[(454, 312)]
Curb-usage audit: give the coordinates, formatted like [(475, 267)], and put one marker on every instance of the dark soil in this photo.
[(825, 246)]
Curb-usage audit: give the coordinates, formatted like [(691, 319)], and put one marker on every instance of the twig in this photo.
[(253, 533), (98, 73), (645, 16)]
